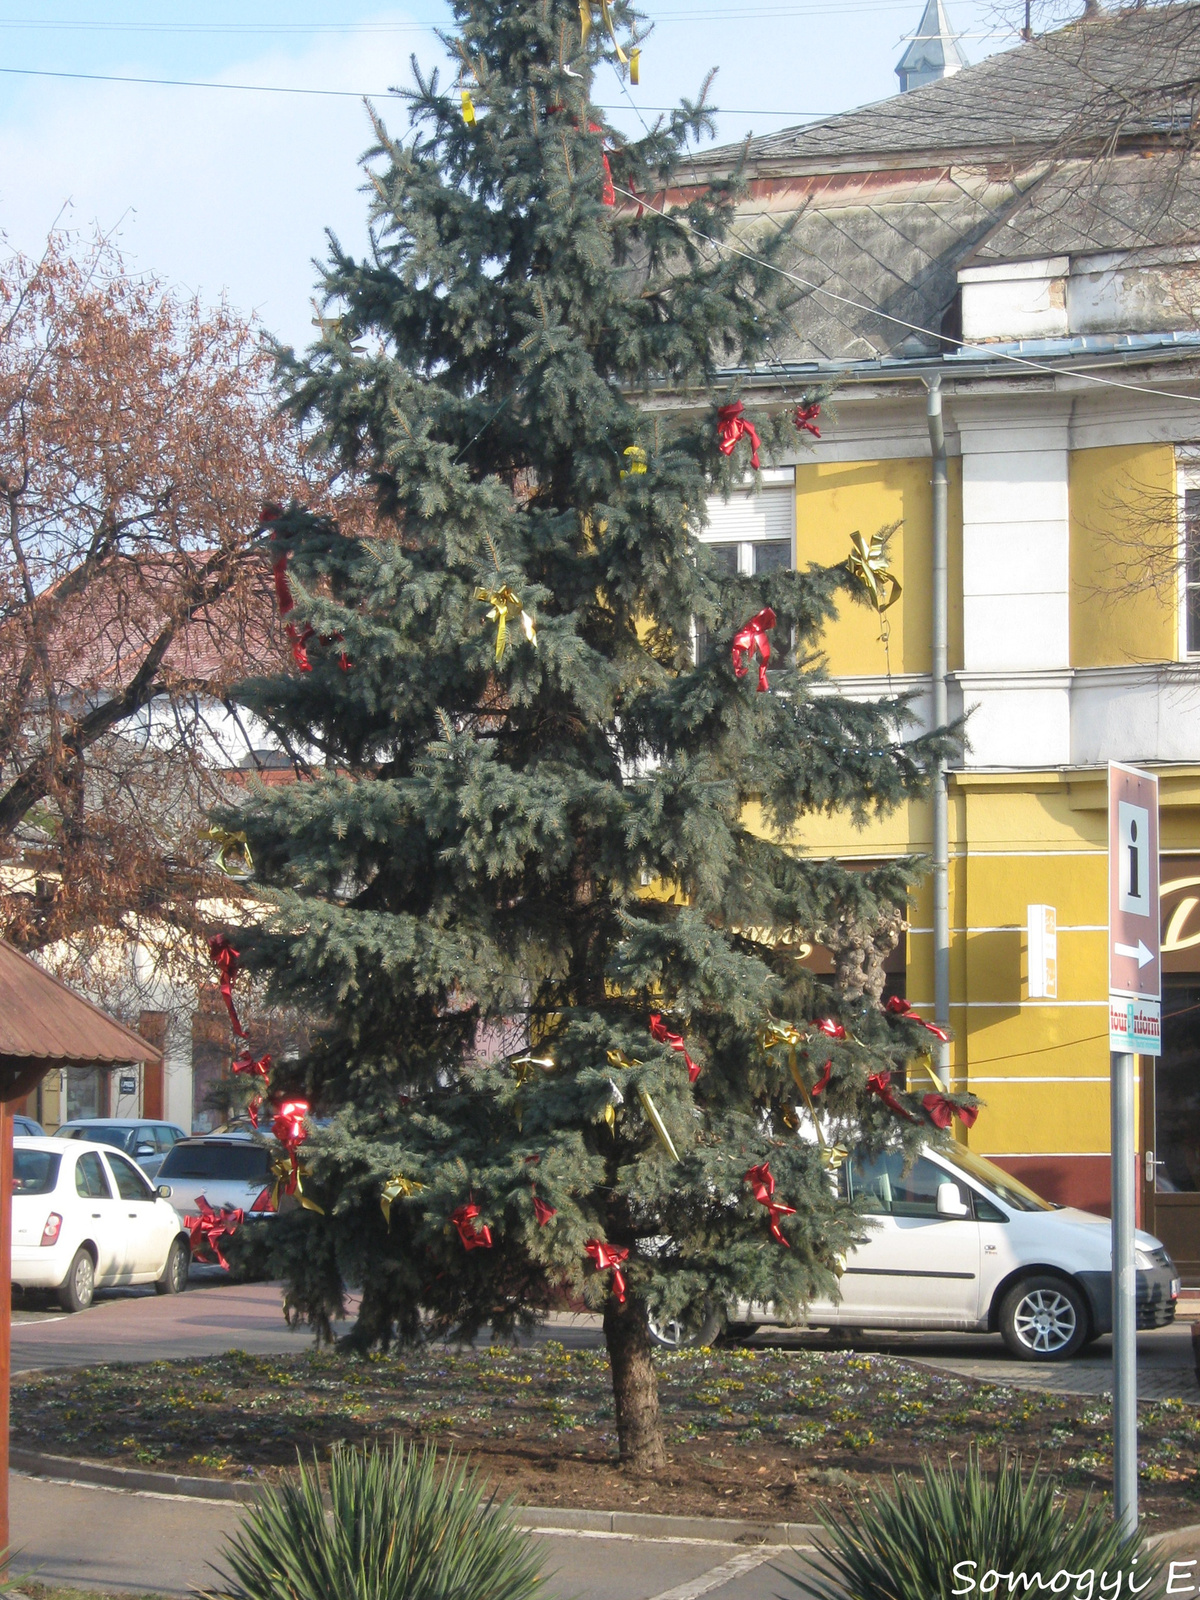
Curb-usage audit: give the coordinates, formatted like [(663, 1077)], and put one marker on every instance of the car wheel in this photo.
[(1043, 1319), (674, 1335), (174, 1278), (78, 1288)]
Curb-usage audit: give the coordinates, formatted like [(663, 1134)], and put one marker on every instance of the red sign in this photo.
[(1134, 958)]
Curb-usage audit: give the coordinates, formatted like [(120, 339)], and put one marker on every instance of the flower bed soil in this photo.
[(765, 1435)]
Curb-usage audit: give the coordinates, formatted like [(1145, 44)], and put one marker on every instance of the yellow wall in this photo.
[(832, 501), (1124, 492)]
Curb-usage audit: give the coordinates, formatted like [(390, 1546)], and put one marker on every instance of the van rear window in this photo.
[(35, 1171), (235, 1162)]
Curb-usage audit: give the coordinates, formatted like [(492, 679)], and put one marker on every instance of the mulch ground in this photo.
[(775, 1435)]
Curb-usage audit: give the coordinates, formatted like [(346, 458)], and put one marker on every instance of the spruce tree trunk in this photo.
[(635, 1386)]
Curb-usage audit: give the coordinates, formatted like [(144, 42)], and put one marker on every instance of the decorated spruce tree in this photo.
[(543, 882)]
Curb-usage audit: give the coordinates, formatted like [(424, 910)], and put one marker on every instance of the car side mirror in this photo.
[(163, 1191), (146, 1150), (950, 1203)]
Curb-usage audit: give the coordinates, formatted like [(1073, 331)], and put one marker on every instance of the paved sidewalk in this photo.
[(163, 1544)]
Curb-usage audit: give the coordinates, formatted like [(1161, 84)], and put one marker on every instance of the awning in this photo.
[(42, 1020)]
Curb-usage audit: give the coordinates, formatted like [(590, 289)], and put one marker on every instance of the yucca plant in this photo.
[(957, 1536), (397, 1525)]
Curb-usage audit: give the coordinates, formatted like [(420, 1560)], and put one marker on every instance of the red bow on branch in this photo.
[(606, 1256), (252, 1109), (541, 1210), (762, 1181), (208, 1229), (225, 959), (257, 1069), (880, 1083), (473, 1238), (942, 1111), (752, 640), (805, 419), (897, 1006), (823, 1081), (288, 1126), (831, 1029), (658, 1032), (732, 425)]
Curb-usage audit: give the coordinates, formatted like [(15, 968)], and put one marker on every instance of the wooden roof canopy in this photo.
[(45, 1025)]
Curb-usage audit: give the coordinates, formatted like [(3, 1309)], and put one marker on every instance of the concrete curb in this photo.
[(631, 1524)]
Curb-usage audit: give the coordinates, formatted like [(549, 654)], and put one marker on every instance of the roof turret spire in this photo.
[(933, 52)]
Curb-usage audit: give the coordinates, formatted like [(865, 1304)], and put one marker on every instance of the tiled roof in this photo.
[(1036, 94)]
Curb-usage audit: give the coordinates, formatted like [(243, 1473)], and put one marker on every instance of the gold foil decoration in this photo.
[(657, 1123), (869, 564), (398, 1187), (468, 108), (777, 1033), (284, 1176), (585, 26), (636, 457), (635, 61), (506, 608), (231, 842)]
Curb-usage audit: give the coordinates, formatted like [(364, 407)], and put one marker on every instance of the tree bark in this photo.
[(635, 1386)]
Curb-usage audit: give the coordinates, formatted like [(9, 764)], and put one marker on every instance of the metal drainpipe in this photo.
[(941, 715)]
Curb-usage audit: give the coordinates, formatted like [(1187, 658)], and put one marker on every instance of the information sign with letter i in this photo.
[(1134, 960)]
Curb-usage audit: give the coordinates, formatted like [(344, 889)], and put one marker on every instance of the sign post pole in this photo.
[(1134, 1028)]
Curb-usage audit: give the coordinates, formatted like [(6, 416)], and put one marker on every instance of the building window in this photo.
[(1191, 571), (751, 533)]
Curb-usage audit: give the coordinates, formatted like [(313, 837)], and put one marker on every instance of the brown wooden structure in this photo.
[(44, 1026)]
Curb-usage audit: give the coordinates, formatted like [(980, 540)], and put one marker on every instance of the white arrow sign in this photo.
[(1138, 952)]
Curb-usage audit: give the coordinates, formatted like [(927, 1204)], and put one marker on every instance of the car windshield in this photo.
[(117, 1138), (34, 1171), (1006, 1188), (247, 1162)]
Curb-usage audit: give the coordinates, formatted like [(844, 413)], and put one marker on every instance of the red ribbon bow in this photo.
[(762, 1181), (606, 1256), (831, 1029), (658, 1032), (541, 1210), (473, 1238), (752, 640), (208, 1229), (942, 1112), (880, 1083), (897, 1006), (225, 959), (823, 1081), (805, 419), (732, 425), (252, 1109), (288, 1126), (257, 1069)]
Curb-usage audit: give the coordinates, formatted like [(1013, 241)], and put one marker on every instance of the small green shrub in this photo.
[(400, 1526), (907, 1544)]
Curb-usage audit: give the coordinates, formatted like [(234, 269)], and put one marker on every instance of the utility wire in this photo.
[(900, 322)]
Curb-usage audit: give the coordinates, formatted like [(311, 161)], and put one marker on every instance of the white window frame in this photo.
[(770, 478), (1187, 478)]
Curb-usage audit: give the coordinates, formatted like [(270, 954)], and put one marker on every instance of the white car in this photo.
[(226, 1169), (956, 1243), (84, 1217)]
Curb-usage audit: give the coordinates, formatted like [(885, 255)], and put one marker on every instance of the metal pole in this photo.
[(1124, 1299), (941, 715), (6, 1183)]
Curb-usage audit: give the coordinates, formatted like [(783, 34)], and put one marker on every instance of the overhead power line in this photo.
[(340, 94)]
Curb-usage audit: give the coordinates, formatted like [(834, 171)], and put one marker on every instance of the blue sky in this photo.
[(227, 191)]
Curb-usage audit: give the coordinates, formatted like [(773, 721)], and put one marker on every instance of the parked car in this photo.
[(147, 1142), (956, 1243), (227, 1169), (84, 1217), (27, 1128)]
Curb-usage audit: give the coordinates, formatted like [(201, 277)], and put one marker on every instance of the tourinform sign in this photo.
[(1134, 957)]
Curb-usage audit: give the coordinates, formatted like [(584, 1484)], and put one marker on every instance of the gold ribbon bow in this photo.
[(506, 607), (468, 108), (585, 26), (637, 461), (777, 1033), (522, 1067), (398, 1187), (657, 1123), (617, 1058), (239, 845), (869, 564), (288, 1181)]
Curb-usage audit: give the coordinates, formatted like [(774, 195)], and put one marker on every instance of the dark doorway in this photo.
[(1171, 1136)]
